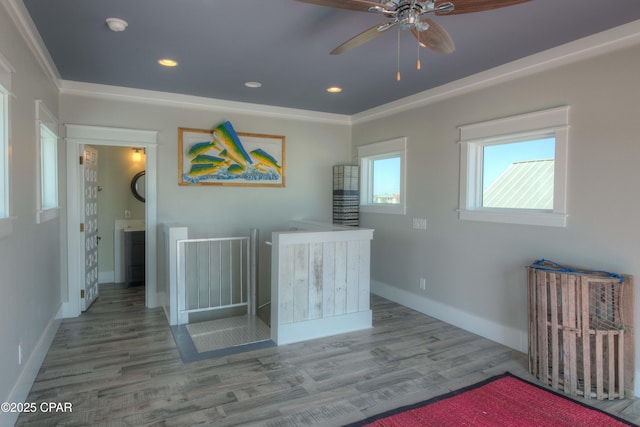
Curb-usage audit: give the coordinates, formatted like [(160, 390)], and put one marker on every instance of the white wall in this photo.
[(475, 271), (312, 148), (30, 258)]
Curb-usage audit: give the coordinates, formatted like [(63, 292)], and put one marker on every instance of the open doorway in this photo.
[(121, 215), (78, 136)]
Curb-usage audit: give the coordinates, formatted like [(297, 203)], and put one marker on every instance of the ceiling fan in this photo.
[(410, 15)]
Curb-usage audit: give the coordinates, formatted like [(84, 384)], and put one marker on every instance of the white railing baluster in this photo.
[(185, 257), (240, 271), (200, 278), (209, 274), (197, 281), (252, 271), (230, 273)]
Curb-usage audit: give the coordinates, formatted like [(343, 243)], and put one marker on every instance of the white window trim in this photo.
[(45, 117), (382, 149), (475, 136), (6, 71)]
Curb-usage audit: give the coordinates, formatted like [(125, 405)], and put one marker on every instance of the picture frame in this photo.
[(223, 157)]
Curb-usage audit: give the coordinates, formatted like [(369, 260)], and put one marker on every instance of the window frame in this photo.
[(474, 137), (6, 220), (45, 118), (367, 154)]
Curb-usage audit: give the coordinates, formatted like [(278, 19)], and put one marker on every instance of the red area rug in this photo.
[(503, 400)]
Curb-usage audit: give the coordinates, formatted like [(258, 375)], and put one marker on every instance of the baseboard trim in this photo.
[(106, 277), (502, 334), (27, 377), (319, 328)]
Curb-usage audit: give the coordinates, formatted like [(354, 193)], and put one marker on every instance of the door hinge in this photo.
[(82, 227), (82, 160), (81, 293)]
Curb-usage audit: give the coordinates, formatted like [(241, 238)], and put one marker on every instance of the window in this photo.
[(382, 176), (5, 95), (47, 139), (519, 175), (513, 170)]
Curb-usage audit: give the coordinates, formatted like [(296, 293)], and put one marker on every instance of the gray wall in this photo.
[(30, 258), (476, 270), (312, 148)]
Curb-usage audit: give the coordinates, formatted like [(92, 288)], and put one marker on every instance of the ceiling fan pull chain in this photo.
[(398, 73), (418, 64)]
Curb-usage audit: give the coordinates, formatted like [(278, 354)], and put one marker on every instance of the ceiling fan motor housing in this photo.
[(407, 12)]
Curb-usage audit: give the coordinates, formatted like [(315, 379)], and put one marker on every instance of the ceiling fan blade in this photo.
[(363, 37), (469, 6), (357, 5), (435, 37)]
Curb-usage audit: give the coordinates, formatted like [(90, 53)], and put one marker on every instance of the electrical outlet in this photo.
[(420, 223), (423, 284)]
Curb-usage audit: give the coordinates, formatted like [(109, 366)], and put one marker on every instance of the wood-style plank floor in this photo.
[(118, 365)]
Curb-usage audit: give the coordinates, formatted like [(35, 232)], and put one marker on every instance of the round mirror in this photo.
[(137, 186)]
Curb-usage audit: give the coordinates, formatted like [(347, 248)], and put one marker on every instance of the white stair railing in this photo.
[(213, 274), (209, 274)]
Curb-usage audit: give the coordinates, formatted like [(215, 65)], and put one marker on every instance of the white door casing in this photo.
[(89, 286), (76, 137)]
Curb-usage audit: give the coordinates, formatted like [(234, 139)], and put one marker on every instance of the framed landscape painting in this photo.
[(226, 157)]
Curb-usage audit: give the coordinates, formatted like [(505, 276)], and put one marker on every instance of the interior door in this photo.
[(89, 287)]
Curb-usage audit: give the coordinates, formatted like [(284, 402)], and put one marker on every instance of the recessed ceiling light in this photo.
[(334, 89), (253, 84), (116, 24), (166, 62)]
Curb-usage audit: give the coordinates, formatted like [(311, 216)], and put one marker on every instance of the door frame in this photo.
[(76, 137)]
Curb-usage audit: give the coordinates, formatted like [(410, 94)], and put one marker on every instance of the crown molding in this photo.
[(588, 47), (119, 93), (27, 29)]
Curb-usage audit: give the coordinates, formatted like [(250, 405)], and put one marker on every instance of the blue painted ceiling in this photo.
[(285, 45)]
